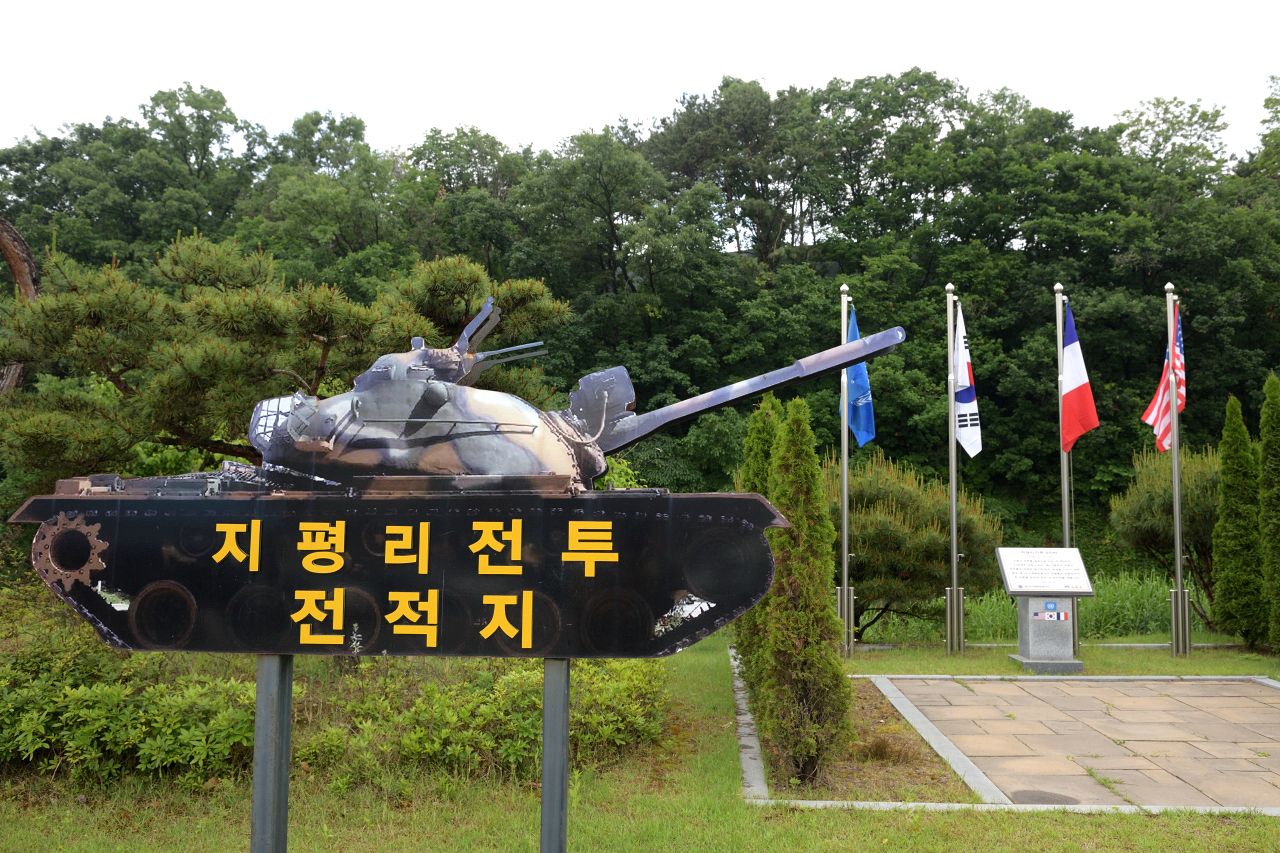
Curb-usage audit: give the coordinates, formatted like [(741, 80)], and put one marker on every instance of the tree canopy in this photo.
[(703, 249)]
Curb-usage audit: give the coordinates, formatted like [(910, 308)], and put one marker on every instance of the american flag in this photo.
[(1157, 414)]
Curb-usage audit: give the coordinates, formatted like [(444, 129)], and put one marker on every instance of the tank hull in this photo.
[(627, 573)]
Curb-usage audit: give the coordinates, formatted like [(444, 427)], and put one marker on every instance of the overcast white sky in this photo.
[(537, 73)]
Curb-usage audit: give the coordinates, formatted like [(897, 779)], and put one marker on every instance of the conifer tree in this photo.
[(802, 698), (1269, 502), (762, 429), (1241, 607)]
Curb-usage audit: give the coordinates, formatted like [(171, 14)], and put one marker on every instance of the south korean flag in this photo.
[(968, 430)]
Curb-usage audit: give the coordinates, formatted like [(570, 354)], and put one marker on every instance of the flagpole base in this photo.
[(1180, 622), (955, 620), (846, 609)]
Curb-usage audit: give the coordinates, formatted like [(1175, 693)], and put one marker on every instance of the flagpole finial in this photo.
[(1057, 288), (950, 287), (1168, 287), (844, 288)]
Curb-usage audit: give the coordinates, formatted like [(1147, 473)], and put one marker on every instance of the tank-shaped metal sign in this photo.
[(418, 514)]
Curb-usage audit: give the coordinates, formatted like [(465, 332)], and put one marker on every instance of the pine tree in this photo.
[(802, 698), (1269, 503), (113, 362), (1240, 606), (762, 429)]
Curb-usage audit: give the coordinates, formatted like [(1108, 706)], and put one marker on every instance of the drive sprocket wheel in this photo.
[(66, 550)]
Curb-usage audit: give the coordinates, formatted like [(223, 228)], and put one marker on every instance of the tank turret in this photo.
[(415, 414)]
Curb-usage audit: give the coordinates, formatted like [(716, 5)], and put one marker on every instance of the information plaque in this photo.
[(1044, 571)]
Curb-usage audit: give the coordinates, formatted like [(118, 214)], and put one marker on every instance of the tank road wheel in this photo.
[(617, 623), (197, 538), (258, 618), (163, 615), (66, 550), (718, 561), (545, 621)]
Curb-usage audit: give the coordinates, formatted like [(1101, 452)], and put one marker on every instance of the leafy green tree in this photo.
[(120, 192), (333, 210), (801, 699), (1269, 503), (114, 362), (585, 201), (764, 155), (900, 539), (468, 158), (1143, 516), (1267, 160), (1176, 135), (1241, 606)]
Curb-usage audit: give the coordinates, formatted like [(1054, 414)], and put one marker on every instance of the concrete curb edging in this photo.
[(755, 786), (960, 763)]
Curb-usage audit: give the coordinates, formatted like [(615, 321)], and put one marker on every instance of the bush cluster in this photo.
[(484, 720), (191, 728), (71, 705)]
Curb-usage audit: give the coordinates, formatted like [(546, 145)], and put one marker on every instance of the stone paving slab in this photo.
[(1167, 748), (1156, 743), (1059, 790), (1156, 785)]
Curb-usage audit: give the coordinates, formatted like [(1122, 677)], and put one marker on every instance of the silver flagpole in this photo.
[(1179, 599), (843, 602), (1059, 300), (1061, 454), (955, 602)]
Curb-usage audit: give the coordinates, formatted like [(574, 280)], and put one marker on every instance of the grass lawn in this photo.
[(685, 795)]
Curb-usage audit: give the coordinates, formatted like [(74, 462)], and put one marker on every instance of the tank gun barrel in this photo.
[(626, 428), (478, 362)]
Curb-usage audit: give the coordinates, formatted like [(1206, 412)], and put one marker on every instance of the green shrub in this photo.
[(800, 695), (1240, 602), (1269, 503), (1143, 516), (190, 728), (753, 476), (484, 720)]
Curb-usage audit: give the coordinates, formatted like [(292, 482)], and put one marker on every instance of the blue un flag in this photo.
[(861, 419)]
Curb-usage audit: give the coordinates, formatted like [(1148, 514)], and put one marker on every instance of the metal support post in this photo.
[(955, 620), (273, 704), (1075, 627), (1179, 599), (555, 755), (846, 609), (1180, 621)]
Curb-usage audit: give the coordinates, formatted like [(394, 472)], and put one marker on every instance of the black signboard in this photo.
[(629, 573)]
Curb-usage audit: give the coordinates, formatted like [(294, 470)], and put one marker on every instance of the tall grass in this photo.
[(1125, 604)]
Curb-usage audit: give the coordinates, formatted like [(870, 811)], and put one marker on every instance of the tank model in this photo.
[(418, 514)]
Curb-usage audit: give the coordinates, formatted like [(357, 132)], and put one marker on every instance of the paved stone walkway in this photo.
[(1209, 743)]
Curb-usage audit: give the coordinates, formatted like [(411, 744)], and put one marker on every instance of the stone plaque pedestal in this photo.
[(1044, 635)]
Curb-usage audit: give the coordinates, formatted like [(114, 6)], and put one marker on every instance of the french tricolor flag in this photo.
[(1079, 415)]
